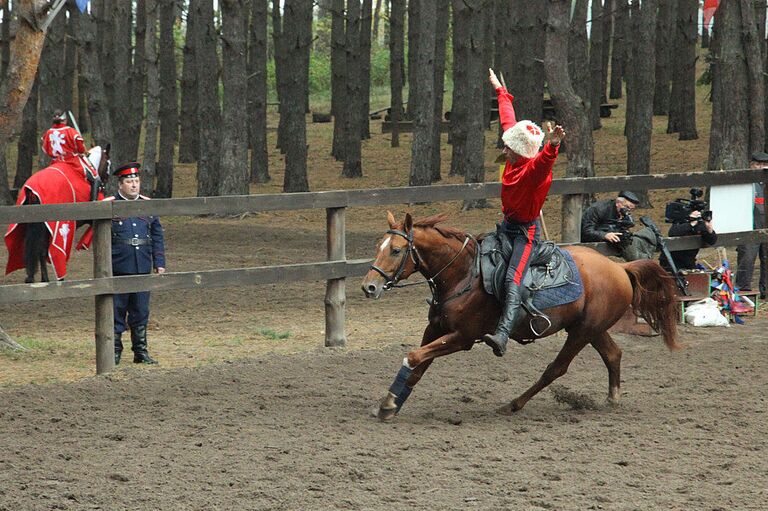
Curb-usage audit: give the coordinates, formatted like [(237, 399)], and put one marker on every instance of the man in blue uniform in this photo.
[(137, 248)]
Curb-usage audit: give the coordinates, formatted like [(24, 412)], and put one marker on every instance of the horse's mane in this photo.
[(445, 230)]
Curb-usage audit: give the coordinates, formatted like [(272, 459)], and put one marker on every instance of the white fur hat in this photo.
[(524, 138)]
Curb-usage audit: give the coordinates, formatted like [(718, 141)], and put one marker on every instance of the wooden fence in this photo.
[(334, 270)]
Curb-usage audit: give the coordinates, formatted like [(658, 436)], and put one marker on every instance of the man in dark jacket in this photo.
[(137, 248), (686, 259), (609, 221)]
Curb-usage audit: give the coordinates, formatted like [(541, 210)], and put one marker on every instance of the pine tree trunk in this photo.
[(396, 60), (376, 20), (682, 103), (338, 77), (257, 86), (414, 8), (169, 102), (50, 75), (5, 37), (754, 49), (67, 85), (5, 193), (441, 33), (525, 78), (571, 111), (488, 50), (234, 153), (578, 52), (460, 101), (138, 75), (209, 112), (619, 52), (665, 28), (596, 64), (640, 86), (423, 101), (608, 17), (704, 37), (352, 122), (93, 84), (477, 83), (125, 146), (189, 136), (149, 172), (25, 50), (279, 45), (297, 42), (365, 68), (28, 140)]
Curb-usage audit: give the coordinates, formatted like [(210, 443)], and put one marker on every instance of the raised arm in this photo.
[(506, 110)]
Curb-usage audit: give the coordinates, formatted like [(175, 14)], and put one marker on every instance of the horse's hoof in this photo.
[(387, 407), (508, 409), (612, 401), (29, 280)]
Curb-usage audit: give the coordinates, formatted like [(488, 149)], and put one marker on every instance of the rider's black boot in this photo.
[(139, 345), (510, 317), (118, 347)]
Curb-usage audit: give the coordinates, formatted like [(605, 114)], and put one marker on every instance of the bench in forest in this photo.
[(407, 127)]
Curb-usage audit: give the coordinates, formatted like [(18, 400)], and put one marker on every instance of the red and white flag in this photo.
[(710, 6)]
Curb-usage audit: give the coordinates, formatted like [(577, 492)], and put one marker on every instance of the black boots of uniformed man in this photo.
[(510, 317), (139, 345), (118, 347)]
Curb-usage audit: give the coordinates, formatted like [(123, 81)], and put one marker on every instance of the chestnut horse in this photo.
[(462, 311)]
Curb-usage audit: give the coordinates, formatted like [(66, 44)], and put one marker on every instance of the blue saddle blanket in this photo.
[(548, 297), (552, 278)]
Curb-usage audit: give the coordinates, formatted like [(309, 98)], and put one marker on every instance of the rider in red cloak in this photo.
[(71, 177)]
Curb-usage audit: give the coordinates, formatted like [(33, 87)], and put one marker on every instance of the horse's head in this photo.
[(99, 157), (396, 257)]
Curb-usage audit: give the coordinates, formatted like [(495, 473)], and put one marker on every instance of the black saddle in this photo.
[(548, 268)]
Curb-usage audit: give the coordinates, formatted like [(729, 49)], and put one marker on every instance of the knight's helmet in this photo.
[(59, 117)]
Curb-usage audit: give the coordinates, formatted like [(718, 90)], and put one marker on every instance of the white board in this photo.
[(731, 207)]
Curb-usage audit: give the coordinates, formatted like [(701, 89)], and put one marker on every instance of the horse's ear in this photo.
[(408, 224), (106, 149), (391, 219)]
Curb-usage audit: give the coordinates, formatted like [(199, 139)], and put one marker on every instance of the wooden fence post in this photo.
[(571, 221), (335, 291), (105, 313)]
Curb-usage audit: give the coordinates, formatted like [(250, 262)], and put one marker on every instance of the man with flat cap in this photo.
[(606, 219), (137, 248), (747, 254)]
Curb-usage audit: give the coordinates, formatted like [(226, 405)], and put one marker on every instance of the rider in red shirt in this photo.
[(62, 142), (524, 187), (65, 145)]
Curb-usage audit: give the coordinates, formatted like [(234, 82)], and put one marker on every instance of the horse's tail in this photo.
[(653, 298)]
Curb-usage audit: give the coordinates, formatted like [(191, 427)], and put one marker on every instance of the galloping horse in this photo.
[(32, 245), (461, 311)]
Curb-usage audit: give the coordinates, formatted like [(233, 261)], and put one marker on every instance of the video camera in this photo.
[(679, 211), (622, 226)]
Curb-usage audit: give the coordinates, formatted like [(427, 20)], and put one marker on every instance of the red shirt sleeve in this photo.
[(46, 144), (506, 110), (545, 160), (79, 144)]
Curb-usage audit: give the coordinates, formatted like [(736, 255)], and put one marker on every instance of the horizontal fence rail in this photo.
[(282, 274), (238, 204), (335, 269)]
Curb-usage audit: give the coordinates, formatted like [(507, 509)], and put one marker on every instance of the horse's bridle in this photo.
[(414, 253), (410, 250)]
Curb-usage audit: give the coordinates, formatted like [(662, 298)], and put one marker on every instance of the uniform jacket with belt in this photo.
[(138, 244)]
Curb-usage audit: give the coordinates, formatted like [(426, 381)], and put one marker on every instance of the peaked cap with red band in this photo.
[(128, 170)]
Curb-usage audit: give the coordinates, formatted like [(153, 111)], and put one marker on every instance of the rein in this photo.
[(393, 281)]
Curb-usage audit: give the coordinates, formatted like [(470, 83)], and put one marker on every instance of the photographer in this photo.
[(693, 226), (610, 220)]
